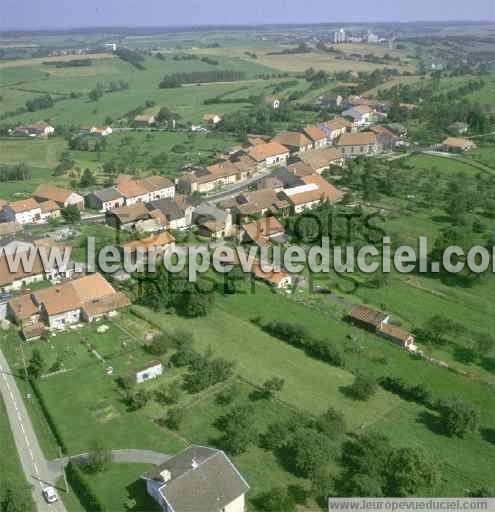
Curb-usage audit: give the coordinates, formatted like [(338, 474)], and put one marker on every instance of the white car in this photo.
[(49, 494)]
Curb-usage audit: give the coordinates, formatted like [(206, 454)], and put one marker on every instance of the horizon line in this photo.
[(234, 25)]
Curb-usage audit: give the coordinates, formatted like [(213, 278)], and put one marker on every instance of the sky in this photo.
[(29, 14)]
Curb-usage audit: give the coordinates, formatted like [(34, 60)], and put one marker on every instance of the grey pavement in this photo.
[(33, 462), (118, 456)]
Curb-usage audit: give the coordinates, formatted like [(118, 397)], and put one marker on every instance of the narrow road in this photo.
[(33, 461), (233, 191)]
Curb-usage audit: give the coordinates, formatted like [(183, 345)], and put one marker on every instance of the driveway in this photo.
[(118, 456)]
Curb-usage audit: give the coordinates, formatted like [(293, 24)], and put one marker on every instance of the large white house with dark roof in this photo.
[(199, 479)]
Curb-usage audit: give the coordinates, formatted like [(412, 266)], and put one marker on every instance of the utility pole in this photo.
[(67, 488)]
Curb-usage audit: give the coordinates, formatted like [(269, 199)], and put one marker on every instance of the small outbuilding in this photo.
[(152, 370)]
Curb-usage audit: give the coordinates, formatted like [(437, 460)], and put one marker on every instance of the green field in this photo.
[(12, 473)]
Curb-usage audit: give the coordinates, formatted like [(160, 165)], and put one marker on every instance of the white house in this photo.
[(212, 119), (362, 115), (25, 211), (152, 370), (62, 196), (144, 190), (199, 478), (269, 155)]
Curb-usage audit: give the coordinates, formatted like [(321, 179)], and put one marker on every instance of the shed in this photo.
[(152, 370)]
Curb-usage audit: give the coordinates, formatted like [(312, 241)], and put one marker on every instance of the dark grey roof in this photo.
[(287, 179), (168, 207), (207, 211), (202, 480), (107, 194)]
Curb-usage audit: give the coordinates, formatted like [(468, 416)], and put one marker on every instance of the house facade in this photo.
[(59, 195), (358, 144), (105, 199), (26, 211), (295, 142), (271, 154), (361, 115)]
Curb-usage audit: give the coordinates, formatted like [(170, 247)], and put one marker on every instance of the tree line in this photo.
[(196, 77)]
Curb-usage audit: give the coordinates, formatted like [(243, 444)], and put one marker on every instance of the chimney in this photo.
[(166, 476)]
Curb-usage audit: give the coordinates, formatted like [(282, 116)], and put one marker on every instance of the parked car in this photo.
[(50, 495)]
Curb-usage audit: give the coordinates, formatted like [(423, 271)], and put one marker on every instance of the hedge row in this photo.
[(299, 337), (48, 417), (85, 494)]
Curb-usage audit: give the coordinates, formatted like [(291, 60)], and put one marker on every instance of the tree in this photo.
[(310, 450), (99, 457), (87, 179), (228, 395), (458, 418), (169, 394), (71, 214), (174, 418), (331, 423), (36, 364), (277, 500), (239, 430), (272, 386), (95, 94), (364, 485), (160, 345), (409, 472), (276, 436), (137, 399), (363, 387), (322, 482)]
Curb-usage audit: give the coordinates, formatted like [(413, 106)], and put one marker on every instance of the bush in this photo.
[(85, 494), (363, 387), (174, 418)]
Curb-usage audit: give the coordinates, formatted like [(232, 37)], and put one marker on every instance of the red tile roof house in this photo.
[(378, 323), (358, 144), (25, 211), (316, 136), (144, 190), (271, 154), (61, 196), (314, 192), (87, 298), (295, 142), (457, 144), (144, 121), (276, 279), (263, 231), (39, 129), (320, 161)]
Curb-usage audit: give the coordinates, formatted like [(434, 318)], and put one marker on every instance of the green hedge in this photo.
[(81, 487), (49, 418)]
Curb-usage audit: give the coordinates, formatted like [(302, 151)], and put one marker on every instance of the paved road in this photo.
[(33, 461), (236, 189)]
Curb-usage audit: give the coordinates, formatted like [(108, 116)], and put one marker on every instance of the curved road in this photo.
[(33, 462)]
